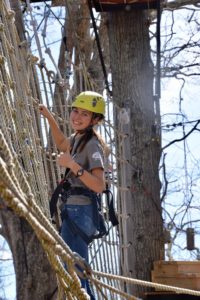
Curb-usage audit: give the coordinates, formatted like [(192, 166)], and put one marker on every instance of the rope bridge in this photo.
[(28, 169)]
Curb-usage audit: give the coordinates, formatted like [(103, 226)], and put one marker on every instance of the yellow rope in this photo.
[(43, 229), (148, 284), (114, 290)]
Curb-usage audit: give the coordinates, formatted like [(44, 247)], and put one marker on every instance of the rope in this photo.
[(25, 206), (148, 284), (99, 47)]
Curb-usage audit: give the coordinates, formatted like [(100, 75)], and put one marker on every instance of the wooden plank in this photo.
[(174, 267), (111, 5), (178, 275), (183, 274), (187, 282)]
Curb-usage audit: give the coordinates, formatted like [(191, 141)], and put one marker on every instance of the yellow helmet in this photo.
[(91, 101)]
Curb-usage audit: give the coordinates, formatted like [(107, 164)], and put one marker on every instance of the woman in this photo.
[(83, 156)]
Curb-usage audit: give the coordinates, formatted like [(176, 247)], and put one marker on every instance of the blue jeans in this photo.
[(82, 215)]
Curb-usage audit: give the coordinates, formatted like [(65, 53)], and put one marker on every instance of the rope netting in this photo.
[(28, 169)]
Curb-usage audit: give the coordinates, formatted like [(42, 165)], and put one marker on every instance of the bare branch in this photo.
[(181, 139)]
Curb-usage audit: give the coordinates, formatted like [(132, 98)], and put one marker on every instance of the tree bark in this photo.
[(132, 78), (34, 277)]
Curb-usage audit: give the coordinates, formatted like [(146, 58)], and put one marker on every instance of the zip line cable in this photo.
[(99, 47), (184, 137), (179, 124), (158, 73)]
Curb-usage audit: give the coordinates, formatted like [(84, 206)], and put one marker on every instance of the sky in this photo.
[(182, 159), (7, 277)]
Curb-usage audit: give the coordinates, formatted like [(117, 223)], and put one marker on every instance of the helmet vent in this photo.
[(94, 102)]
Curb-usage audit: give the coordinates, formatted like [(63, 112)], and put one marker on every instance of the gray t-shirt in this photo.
[(89, 158)]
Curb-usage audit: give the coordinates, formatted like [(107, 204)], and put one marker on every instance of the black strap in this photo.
[(54, 199), (58, 189), (75, 150), (111, 212)]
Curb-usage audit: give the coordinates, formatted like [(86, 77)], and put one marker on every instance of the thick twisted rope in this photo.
[(148, 284)]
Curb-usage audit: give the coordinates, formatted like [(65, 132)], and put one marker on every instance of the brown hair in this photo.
[(89, 132)]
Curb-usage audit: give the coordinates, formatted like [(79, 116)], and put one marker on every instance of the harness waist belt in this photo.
[(73, 191), (78, 190)]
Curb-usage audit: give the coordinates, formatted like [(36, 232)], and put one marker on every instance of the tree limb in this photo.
[(181, 139)]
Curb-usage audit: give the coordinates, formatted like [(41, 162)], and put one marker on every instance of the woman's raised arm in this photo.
[(60, 140)]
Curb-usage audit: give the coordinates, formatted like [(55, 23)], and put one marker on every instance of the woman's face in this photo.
[(80, 118)]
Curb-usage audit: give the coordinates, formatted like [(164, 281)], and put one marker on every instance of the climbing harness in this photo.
[(64, 190), (98, 218)]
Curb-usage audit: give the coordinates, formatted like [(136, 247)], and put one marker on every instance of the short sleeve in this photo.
[(95, 155)]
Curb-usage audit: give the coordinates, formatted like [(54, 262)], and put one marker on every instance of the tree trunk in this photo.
[(34, 277), (132, 77)]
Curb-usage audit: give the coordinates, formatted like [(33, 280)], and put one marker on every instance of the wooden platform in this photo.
[(113, 5), (183, 274)]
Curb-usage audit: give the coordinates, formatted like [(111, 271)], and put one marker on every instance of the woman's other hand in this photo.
[(65, 160)]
